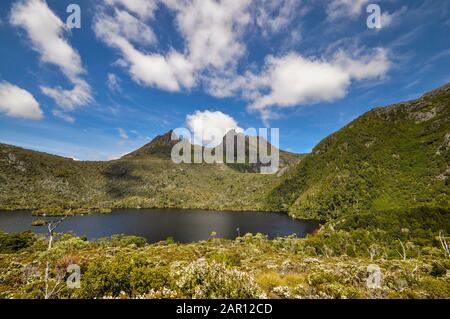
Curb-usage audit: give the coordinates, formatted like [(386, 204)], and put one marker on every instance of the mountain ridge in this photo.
[(390, 157)]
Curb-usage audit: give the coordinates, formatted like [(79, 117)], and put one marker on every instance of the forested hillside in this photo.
[(396, 157), (146, 177)]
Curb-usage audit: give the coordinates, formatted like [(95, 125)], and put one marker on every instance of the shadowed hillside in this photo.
[(146, 177), (395, 157)]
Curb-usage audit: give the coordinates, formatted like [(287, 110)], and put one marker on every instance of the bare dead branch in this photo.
[(444, 244), (403, 255), (52, 225)]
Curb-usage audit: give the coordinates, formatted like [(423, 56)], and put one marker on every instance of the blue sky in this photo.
[(136, 69)]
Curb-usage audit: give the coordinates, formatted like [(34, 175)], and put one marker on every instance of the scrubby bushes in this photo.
[(132, 275), (214, 280), (12, 243), (330, 264), (418, 222), (384, 234), (228, 258), (124, 274), (122, 241)]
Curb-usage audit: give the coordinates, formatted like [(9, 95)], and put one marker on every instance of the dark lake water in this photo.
[(159, 224)]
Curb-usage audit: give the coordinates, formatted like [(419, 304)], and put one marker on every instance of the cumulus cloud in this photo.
[(212, 29), (17, 102), (45, 30), (213, 33), (46, 33), (293, 80), (171, 72), (209, 127)]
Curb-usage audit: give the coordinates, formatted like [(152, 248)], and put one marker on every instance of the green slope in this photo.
[(144, 178), (389, 158), (397, 157)]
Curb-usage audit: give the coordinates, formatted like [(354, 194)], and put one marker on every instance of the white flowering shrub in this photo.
[(213, 280), (163, 293), (283, 292)]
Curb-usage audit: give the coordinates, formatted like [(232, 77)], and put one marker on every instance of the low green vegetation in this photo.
[(38, 222), (12, 243), (36, 181), (380, 186), (389, 158), (395, 157), (332, 263)]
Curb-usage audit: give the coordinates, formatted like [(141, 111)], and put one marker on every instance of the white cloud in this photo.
[(17, 102), (63, 116), (67, 100), (363, 66), (388, 19), (212, 30), (46, 33), (113, 82), (274, 16), (200, 122), (127, 26), (171, 72), (294, 80), (224, 84), (143, 8), (345, 8), (123, 134), (213, 33)]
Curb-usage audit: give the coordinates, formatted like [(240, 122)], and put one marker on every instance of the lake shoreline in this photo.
[(89, 210), (185, 225)]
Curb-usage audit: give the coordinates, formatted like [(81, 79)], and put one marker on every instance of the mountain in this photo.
[(253, 143), (395, 157), (146, 177), (160, 146)]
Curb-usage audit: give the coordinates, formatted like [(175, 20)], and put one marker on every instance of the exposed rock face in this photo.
[(12, 159), (251, 145), (420, 110), (445, 144), (260, 147), (443, 90), (444, 175), (424, 116), (161, 146)]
